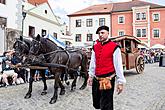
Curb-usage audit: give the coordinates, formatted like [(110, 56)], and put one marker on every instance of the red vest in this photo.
[(104, 57)]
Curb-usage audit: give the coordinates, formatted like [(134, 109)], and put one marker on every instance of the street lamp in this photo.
[(23, 15)]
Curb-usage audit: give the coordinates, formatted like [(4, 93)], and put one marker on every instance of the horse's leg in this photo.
[(66, 77), (28, 94), (56, 85), (84, 74), (44, 92), (62, 92), (73, 86)]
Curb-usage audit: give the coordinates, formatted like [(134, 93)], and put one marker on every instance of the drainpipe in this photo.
[(111, 24)]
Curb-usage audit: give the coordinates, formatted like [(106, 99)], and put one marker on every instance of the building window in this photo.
[(55, 35), (101, 21), (89, 22), (138, 32), (143, 16), (43, 33), (143, 32), (31, 31), (121, 33), (156, 33), (3, 1), (137, 16), (121, 19), (78, 38), (89, 37), (156, 17), (46, 11), (78, 23)]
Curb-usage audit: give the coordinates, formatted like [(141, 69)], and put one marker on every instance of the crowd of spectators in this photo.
[(11, 71), (152, 55)]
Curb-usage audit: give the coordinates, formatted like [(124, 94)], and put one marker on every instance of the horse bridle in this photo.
[(22, 43)]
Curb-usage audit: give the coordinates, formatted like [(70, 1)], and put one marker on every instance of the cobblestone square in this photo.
[(142, 92)]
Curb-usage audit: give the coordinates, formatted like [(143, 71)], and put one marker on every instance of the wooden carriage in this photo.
[(131, 57)]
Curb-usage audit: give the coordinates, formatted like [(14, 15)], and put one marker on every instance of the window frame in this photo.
[(121, 16), (89, 38), (141, 34), (143, 16), (138, 16), (154, 34), (153, 17), (101, 21), (78, 38), (121, 31), (89, 22), (78, 23)]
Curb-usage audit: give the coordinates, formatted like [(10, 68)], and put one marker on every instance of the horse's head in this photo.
[(35, 45), (21, 47), (42, 45)]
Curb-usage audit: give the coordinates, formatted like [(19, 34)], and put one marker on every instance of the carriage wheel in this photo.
[(139, 64)]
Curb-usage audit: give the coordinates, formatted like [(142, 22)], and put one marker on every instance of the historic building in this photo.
[(27, 18), (137, 18)]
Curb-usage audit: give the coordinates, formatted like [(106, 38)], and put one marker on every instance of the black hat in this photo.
[(102, 28)]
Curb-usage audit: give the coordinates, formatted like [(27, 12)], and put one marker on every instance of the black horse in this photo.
[(22, 47), (60, 60)]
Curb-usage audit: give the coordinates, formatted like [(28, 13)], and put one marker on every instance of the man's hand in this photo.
[(119, 88), (90, 81)]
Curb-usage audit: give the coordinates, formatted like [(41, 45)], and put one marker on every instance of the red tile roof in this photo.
[(114, 7), (127, 6), (95, 9), (37, 2)]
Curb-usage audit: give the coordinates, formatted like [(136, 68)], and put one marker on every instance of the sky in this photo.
[(62, 8)]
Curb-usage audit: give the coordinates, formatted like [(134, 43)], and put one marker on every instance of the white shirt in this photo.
[(117, 61)]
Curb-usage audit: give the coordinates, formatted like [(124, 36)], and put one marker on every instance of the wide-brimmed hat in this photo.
[(102, 28)]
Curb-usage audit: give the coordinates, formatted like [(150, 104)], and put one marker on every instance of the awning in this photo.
[(59, 43), (156, 46)]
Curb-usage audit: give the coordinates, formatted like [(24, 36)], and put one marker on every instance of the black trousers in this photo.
[(102, 99)]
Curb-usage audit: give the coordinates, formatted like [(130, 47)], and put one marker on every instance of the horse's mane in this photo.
[(50, 43), (27, 41)]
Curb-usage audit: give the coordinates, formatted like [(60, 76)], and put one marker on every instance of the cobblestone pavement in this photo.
[(142, 92)]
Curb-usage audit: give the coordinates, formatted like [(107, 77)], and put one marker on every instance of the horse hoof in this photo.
[(62, 92), (52, 101), (73, 88), (43, 93), (67, 83), (82, 87), (27, 96)]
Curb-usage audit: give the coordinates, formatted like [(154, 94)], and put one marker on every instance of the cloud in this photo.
[(62, 8)]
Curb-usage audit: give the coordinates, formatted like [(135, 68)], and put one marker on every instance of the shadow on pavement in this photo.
[(130, 72)]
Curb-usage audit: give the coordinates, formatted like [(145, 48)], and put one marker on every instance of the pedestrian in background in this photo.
[(106, 63)]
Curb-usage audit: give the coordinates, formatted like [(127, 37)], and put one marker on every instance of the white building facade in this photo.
[(10, 17), (40, 20), (83, 28)]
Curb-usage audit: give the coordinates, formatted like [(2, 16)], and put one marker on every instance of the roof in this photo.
[(95, 9), (127, 6), (125, 37), (115, 7), (37, 2)]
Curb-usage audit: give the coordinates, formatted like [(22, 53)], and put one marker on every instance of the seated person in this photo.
[(7, 70), (16, 63)]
